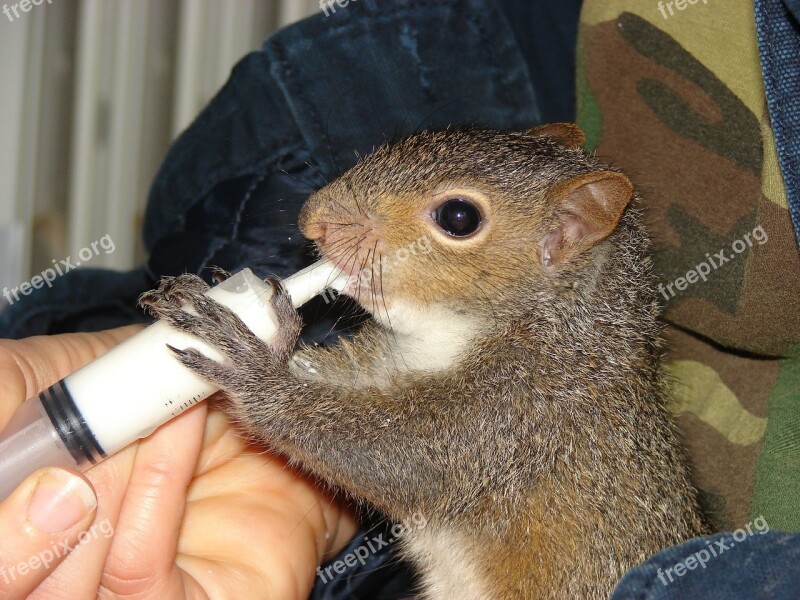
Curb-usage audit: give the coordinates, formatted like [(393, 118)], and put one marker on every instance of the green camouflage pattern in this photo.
[(672, 93)]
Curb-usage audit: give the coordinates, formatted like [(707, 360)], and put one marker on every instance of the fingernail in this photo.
[(60, 500)]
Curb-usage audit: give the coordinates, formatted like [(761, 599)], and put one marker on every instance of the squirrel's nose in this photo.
[(311, 219)]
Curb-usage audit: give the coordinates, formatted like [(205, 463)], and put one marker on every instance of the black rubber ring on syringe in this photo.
[(70, 424)]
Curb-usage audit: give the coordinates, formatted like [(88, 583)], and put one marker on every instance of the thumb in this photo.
[(41, 523)]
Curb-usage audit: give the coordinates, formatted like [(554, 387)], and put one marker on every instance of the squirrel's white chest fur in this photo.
[(426, 339), (447, 570)]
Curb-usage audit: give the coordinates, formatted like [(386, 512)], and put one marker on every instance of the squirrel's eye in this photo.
[(458, 217)]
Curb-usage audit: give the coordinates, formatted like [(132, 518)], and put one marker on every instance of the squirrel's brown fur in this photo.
[(509, 387)]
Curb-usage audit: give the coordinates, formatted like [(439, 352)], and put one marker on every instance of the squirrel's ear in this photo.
[(568, 135), (587, 208)]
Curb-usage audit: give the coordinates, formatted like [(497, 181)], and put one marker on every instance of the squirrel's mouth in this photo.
[(360, 275), (350, 240), (353, 245), (362, 269)]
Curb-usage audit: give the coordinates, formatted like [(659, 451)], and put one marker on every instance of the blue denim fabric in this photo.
[(762, 566), (81, 300), (778, 26)]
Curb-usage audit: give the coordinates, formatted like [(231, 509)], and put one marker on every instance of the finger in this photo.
[(78, 576), (142, 556), (41, 523)]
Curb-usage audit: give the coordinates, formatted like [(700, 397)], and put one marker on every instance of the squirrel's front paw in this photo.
[(248, 359)]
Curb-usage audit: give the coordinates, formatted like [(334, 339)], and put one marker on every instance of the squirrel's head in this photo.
[(466, 218)]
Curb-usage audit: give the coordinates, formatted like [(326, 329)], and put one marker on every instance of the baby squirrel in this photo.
[(507, 386)]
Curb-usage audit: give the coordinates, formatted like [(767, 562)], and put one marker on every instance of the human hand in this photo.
[(193, 511)]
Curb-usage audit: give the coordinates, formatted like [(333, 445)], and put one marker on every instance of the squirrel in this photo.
[(507, 385)]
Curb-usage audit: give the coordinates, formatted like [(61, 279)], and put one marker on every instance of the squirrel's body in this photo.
[(509, 387)]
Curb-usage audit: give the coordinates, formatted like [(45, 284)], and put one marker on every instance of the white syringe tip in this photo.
[(313, 280)]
